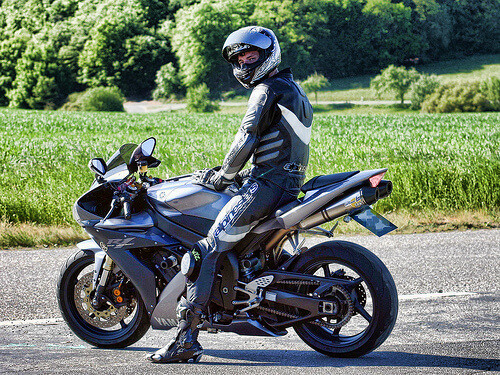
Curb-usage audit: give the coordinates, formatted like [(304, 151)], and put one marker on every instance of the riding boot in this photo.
[(185, 346)]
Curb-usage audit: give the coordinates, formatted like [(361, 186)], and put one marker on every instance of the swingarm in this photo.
[(309, 297)]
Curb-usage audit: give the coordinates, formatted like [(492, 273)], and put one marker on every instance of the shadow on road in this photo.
[(311, 359)]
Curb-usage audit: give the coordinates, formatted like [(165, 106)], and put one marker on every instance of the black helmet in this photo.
[(252, 38)]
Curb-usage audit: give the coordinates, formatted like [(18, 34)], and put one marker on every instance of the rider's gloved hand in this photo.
[(211, 178), (240, 177)]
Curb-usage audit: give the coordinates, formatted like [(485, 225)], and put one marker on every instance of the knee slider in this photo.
[(191, 263)]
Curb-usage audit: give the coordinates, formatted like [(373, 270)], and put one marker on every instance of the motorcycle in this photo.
[(339, 297)]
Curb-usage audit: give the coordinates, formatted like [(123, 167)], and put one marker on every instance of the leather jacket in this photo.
[(274, 134)]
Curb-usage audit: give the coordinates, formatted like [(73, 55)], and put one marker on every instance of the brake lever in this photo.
[(114, 203)]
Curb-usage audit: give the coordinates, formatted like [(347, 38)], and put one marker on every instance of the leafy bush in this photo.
[(199, 101), (74, 102), (457, 97), (491, 89), (167, 81), (422, 88), (108, 99)]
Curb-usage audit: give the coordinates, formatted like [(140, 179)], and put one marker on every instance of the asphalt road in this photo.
[(448, 323)]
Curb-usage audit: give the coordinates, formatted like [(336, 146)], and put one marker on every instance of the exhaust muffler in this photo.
[(363, 197), (385, 188)]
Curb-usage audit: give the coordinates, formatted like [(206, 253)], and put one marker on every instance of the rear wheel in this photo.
[(368, 306), (113, 325)]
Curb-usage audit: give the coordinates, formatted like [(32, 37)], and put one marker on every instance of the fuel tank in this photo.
[(192, 206)]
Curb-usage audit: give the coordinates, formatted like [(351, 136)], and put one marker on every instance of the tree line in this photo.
[(52, 48)]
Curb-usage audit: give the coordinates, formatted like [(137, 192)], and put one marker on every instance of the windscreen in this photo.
[(118, 162)]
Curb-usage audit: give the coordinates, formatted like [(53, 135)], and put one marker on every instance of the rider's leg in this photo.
[(254, 201)]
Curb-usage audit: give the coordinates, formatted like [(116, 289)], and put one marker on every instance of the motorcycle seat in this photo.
[(322, 181)]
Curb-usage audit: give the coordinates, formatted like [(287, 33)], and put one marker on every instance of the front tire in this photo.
[(374, 300), (109, 328)]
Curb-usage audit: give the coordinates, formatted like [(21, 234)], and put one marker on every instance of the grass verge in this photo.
[(25, 235), (16, 236), (430, 222)]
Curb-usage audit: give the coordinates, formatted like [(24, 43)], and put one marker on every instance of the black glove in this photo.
[(211, 178), (240, 177)]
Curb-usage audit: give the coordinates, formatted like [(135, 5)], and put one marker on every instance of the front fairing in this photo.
[(94, 204)]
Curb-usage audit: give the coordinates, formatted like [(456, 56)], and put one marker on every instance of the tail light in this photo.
[(375, 180)]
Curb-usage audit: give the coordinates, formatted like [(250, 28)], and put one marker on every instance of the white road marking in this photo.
[(434, 295), (58, 346), (7, 323)]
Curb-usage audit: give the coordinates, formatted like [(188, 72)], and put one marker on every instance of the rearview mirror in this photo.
[(98, 166), (144, 150), (148, 146)]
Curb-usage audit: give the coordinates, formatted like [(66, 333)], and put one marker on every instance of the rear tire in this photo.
[(126, 331), (375, 300)]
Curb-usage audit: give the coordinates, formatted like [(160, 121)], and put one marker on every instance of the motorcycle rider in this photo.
[(274, 135)]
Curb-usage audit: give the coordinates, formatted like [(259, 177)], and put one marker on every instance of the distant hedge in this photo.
[(98, 99), (464, 97), (51, 48)]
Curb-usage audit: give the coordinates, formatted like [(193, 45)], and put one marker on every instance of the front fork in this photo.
[(99, 297)]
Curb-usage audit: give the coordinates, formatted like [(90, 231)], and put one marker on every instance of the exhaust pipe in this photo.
[(363, 197), (385, 188)]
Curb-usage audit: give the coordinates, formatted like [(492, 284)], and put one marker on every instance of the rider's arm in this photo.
[(257, 118)]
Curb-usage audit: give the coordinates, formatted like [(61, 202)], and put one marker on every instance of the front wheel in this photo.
[(113, 325), (371, 301)]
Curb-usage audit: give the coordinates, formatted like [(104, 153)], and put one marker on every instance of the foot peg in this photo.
[(255, 298), (261, 282)]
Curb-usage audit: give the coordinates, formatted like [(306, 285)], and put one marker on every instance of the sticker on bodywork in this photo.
[(120, 243)]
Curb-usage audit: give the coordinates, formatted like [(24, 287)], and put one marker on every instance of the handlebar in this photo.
[(127, 209), (124, 200), (125, 194)]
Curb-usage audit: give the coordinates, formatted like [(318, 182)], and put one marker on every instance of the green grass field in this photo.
[(346, 91), (445, 168), (439, 164)]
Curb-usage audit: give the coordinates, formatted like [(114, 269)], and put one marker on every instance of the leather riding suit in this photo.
[(274, 135)]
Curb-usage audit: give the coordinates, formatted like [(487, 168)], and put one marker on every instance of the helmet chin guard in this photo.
[(252, 38)]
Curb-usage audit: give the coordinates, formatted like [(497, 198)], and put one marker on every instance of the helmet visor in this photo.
[(243, 40)]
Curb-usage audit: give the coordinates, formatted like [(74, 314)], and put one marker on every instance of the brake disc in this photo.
[(105, 317)]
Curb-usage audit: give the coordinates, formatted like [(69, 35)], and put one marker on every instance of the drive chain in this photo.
[(292, 316), (298, 282)]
